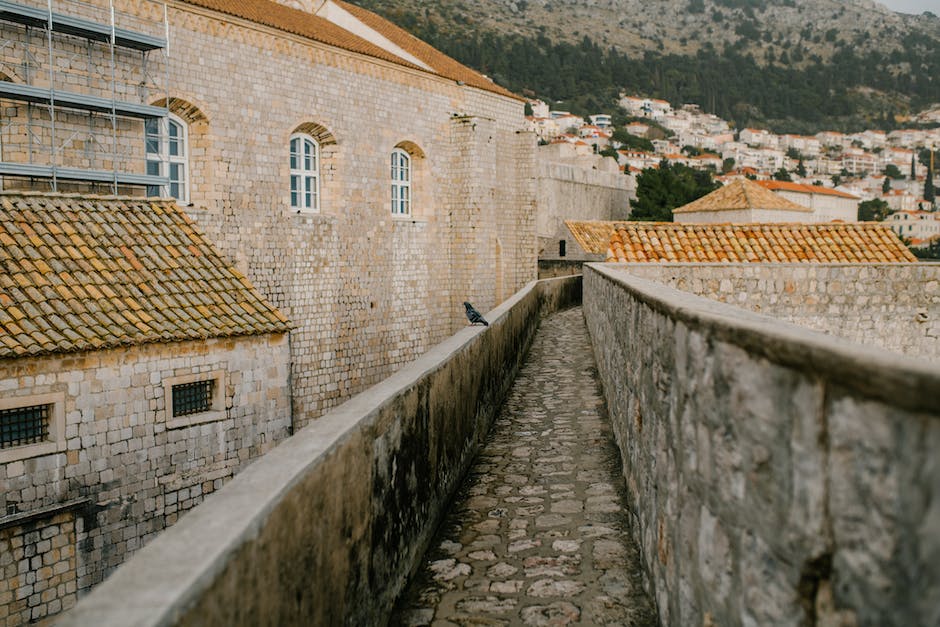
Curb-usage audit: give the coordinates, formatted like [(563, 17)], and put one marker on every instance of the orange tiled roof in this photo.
[(756, 243), (83, 273), (593, 236), (319, 29), (741, 194), (805, 189)]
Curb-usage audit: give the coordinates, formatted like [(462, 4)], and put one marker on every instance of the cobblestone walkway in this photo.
[(539, 533)]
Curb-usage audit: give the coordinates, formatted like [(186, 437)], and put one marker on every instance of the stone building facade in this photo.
[(139, 371), (368, 289)]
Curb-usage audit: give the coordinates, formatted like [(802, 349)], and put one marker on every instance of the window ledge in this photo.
[(412, 219), (195, 419), (26, 451), (311, 217)]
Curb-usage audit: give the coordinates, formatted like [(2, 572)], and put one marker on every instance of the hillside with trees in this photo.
[(786, 65)]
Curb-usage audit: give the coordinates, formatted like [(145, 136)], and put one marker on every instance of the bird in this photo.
[(474, 316)]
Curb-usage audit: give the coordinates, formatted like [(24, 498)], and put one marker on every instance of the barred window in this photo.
[(24, 425), (193, 398)]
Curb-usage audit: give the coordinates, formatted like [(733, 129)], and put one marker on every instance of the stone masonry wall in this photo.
[(575, 191), (125, 472), (891, 306), (367, 292), (779, 476)]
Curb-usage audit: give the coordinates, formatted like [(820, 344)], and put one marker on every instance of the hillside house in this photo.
[(828, 205)]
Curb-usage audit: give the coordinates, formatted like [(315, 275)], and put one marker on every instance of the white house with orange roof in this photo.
[(808, 146), (902, 200), (827, 204), (921, 226)]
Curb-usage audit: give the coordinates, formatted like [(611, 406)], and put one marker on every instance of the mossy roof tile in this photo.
[(109, 284)]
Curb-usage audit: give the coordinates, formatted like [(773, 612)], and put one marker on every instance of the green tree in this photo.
[(913, 169), (801, 169), (929, 194), (886, 185), (660, 190), (893, 171), (782, 175), (727, 165), (634, 142), (874, 210)]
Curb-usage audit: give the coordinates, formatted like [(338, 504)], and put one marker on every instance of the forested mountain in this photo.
[(787, 65)]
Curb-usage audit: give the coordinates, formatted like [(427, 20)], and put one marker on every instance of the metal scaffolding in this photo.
[(69, 84)]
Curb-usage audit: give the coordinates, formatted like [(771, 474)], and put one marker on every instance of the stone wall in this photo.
[(779, 476), (325, 529), (124, 470), (891, 306), (367, 292), (576, 188)]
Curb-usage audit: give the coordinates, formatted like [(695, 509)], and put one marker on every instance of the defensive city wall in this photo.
[(779, 476), (326, 528)]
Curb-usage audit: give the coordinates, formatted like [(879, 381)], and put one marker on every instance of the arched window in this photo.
[(304, 173), (168, 155), (401, 182)]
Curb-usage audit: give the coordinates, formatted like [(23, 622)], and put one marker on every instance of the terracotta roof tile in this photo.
[(593, 236), (113, 287), (755, 243), (306, 24), (805, 189), (741, 194)]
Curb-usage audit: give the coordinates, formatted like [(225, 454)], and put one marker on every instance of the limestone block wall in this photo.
[(282, 545), (368, 292), (779, 476), (575, 189), (124, 470), (895, 307)]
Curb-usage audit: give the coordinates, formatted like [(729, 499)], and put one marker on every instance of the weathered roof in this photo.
[(757, 243), (593, 236), (311, 26), (805, 189), (82, 273), (741, 194)]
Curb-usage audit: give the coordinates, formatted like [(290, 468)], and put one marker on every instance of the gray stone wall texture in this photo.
[(326, 528), (132, 471), (892, 306), (779, 476)]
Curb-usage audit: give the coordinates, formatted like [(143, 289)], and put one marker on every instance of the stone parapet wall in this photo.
[(326, 528), (126, 469), (891, 306), (779, 476)]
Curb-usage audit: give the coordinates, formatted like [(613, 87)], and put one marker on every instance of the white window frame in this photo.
[(401, 175), (216, 410), (308, 178), (56, 442), (165, 159)]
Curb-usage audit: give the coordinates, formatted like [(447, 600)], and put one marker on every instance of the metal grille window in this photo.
[(193, 398), (24, 425)]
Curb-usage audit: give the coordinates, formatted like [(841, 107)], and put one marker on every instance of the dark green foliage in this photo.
[(931, 251), (782, 175), (886, 186), (660, 190), (801, 169), (814, 96), (631, 141), (874, 210), (929, 194), (893, 171), (727, 165)]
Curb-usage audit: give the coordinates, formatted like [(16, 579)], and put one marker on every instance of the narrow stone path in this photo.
[(539, 533)]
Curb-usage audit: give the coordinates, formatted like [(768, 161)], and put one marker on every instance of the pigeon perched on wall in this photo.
[(474, 316)]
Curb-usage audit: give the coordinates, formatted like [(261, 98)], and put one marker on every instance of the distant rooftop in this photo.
[(741, 194), (756, 243)]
